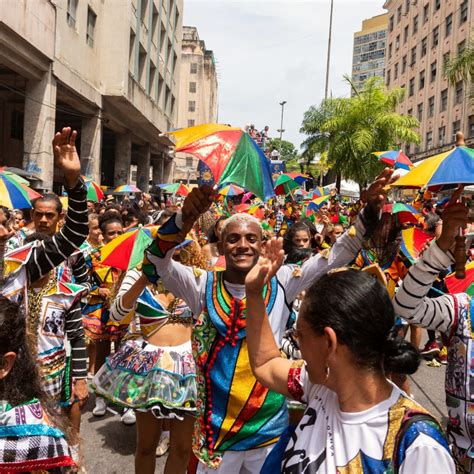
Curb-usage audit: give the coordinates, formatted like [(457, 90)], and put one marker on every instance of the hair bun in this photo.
[(400, 356)]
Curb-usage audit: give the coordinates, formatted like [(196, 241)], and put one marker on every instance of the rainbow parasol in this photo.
[(318, 191), (231, 190), (413, 241), (230, 155), (395, 158), (285, 185), (447, 170), (94, 191), (465, 285), (178, 189), (14, 176), (15, 195), (127, 188), (406, 213), (127, 250), (298, 177)]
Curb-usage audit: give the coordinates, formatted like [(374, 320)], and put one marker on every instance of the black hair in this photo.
[(401, 357), (431, 220), (299, 226), (49, 197), (359, 310), (298, 254), (108, 218), (131, 215), (212, 234), (6, 212)]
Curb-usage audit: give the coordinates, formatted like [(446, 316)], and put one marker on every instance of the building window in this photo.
[(435, 37), (407, 6), (189, 162), (449, 24), (421, 85), (458, 98), (389, 50), (441, 135), (431, 106), (419, 112), (404, 64), (411, 87), (395, 72), (429, 140), (433, 72), (405, 34), (410, 112), (191, 123), (192, 87), (388, 78), (399, 14), (446, 57), (17, 119), (424, 46), (437, 5), (456, 128), (444, 100), (471, 125), (426, 13), (194, 68), (390, 24), (415, 24), (413, 56), (397, 42), (91, 20), (71, 12), (192, 106), (461, 46), (463, 12)]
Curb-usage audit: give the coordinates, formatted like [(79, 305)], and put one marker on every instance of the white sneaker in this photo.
[(100, 407), (163, 445), (128, 417)]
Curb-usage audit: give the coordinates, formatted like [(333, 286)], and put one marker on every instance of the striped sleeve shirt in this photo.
[(75, 335), (48, 255), (118, 310), (411, 301)]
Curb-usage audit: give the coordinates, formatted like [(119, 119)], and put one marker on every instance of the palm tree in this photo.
[(351, 128), (461, 68)]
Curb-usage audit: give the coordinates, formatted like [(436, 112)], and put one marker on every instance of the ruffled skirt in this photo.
[(143, 376)]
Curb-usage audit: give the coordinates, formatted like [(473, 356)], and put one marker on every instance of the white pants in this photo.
[(239, 462)]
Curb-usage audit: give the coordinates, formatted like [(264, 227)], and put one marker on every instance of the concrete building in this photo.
[(368, 57), (422, 36), (109, 69), (198, 95)]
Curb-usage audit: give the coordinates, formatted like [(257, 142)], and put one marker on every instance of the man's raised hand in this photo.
[(66, 157), (376, 193)]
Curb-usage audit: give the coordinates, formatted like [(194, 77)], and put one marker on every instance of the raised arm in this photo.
[(48, 255), (269, 368), (411, 301)]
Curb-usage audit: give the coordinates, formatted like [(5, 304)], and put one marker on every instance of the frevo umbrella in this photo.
[(231, 190), (395, 158), (15, 195), (413, 241), (285, 184), (127, 188), (178, 189), (94, 191)]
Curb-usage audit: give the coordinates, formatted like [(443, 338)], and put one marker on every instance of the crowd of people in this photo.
[(267, 342)]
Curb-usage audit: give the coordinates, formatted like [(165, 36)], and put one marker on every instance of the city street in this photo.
[(109, 445)]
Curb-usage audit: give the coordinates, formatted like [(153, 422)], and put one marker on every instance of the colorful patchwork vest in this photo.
[(236, 412)]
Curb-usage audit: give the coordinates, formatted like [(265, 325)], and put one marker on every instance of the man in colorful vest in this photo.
[(239, 420)]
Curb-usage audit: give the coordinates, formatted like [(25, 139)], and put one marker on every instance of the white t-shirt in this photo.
[(331, 441)]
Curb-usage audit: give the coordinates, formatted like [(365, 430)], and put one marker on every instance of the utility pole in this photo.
[(281, 123), (328, 62)]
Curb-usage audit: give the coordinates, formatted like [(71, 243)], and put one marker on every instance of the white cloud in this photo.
[(269, 51)]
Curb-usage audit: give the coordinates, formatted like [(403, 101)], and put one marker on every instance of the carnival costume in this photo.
[(29, 442), (143, 376), (236, 413), (54, 325)]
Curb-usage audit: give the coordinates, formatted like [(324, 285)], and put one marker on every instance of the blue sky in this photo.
[(269, 51)]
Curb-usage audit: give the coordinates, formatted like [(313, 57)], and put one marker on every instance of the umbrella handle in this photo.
[(460, 257)]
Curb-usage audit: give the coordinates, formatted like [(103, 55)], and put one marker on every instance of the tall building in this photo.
[(422, 36), (109, 69), (368, 57), (198, 100)]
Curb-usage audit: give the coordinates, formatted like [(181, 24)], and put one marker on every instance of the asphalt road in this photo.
[(109, 446)]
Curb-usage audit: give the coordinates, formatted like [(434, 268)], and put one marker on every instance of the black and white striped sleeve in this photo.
[(81, 273), (118, 310), (49, 254), (411, 301), (75, 336)]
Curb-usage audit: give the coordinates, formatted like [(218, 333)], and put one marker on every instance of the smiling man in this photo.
[(239, 420)]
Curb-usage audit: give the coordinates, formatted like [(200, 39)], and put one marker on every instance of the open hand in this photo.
[(376, 193), (266, 267), (66, 157)]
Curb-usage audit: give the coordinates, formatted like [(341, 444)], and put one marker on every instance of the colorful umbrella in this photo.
[(285, 184), (465, 285), (406, 213), (231, 190), (413, 241), (14, 195), (318, 192), (298, 177), (94, 192), (14, 176), (447, 169), (395, 158), (177, 189), (316, 204), (127, 188), (230, 154), (127, 250)]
